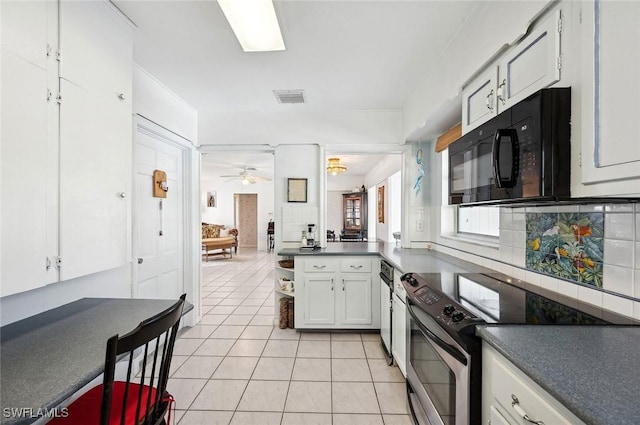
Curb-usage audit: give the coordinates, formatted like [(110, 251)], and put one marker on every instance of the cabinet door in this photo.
[(479, 100), (534, 64), (95, 179), (97, 47), (354, 299), (95, 138), (27, 27), (399, 334), (318, 298), (611, 94), (23, 171)]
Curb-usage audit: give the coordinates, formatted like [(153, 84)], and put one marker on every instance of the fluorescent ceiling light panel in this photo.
[(254, 23)]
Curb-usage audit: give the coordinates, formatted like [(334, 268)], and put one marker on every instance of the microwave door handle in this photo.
[(454, 352), (515, 156)]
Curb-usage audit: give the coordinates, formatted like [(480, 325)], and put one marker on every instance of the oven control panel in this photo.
[(436, 304)]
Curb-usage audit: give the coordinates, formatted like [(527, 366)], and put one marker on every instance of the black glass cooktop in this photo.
[(497, 298)]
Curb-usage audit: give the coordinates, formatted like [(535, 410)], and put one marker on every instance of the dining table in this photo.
[(46, 358)]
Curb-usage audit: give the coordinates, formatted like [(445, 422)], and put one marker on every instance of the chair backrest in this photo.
[(150, 405)]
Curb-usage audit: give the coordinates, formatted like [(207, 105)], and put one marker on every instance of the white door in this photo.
[(158, 246)]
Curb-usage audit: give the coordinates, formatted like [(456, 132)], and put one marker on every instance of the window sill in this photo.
[(485, 241)]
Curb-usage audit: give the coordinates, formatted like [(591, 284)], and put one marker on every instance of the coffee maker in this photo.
[(309, 238), (311, 234)]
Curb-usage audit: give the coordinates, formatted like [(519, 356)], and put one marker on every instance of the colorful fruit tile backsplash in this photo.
[(566, 245)]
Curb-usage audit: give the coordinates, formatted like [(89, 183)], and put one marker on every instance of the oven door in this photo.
[(437, 373)]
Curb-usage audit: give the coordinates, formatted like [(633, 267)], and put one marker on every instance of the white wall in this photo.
[(297, 161), (335, 213), (156, 102), (224, 212)]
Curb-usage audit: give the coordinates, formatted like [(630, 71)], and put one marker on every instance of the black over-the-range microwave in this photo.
[(521, 155)]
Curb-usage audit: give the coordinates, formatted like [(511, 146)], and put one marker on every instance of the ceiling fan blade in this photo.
[(232, 175)]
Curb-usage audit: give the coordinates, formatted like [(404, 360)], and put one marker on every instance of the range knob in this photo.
[(457, 316), (410, 279), (448, 309)]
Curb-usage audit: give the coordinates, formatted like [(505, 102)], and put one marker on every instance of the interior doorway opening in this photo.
[(246, 219)]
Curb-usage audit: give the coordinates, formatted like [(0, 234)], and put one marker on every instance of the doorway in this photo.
[(246, 219), (158, 223)]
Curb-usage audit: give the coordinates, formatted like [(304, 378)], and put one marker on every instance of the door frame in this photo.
[(191, 228)]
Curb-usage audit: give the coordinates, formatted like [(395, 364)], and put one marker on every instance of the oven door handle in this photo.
[(451, 350)]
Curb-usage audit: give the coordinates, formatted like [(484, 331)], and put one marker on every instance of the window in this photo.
[(466, 221), (479, 221)]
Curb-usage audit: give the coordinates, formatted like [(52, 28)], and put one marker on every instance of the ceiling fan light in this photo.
[(334, 167), (245, 181)]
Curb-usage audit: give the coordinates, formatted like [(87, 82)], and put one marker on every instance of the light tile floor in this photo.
[(236, 368)]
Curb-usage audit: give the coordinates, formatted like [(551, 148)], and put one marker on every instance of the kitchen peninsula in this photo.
[(338, 287)]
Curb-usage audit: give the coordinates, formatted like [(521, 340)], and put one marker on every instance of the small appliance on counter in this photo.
[(308, 242)]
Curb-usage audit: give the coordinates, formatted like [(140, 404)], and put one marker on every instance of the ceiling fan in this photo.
[(246, 176)]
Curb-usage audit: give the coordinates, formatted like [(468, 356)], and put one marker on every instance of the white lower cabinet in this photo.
[(318, 298), (399, 323), (399, 334), (337, 293), (509, 397)]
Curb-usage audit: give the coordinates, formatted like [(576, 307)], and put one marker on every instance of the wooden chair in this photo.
[(127, 402)]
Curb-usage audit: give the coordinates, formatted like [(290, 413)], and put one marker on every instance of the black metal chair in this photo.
[(129, 402)]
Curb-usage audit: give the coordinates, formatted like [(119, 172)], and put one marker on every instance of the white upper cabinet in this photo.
[(66, 142), (26, 29), (480, 97), (95, 138), (611, 96), (534, 63), (28, 147)]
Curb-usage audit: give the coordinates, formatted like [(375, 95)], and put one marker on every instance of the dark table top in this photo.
[(45, 358)]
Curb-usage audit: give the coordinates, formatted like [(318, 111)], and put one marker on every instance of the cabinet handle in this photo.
[(515, 403), (121, 96), (315, 266), (122, 195), (357, 267), (332, 284), (502, 95), (490, 101), (342, 285)]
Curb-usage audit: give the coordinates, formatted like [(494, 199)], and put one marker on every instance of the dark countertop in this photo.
[(591, 370), (45, 358), (403, 259)]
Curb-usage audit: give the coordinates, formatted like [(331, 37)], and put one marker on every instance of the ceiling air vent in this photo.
[(289, 96)]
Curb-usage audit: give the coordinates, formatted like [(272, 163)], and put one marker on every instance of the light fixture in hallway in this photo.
[(334, 167)]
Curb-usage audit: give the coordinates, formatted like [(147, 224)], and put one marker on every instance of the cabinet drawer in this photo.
[(321, 265), (506, 384), (357, 265)]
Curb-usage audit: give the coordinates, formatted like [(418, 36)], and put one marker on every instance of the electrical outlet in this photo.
[(419, 227)]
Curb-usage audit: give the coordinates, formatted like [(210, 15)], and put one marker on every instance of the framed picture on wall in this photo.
[(212, 199), (380, 204), (296, 190)]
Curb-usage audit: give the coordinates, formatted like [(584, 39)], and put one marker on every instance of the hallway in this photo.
[(236, 368)]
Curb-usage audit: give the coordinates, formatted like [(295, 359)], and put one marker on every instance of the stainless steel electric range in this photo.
[(443, 353)]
